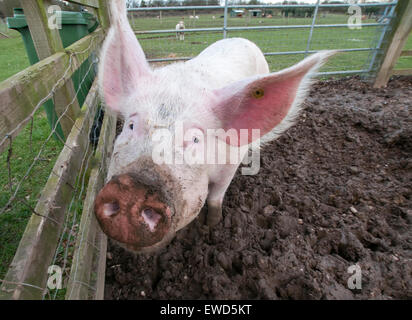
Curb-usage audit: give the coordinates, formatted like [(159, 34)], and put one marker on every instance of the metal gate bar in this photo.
[(383, 24), (303, 26)]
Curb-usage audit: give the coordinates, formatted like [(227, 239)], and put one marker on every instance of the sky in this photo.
[(314, 1), (277, 1), (273, 1), (309, 1)]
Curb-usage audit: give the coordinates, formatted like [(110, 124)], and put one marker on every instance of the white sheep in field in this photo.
[(197, 17), (180, 35)]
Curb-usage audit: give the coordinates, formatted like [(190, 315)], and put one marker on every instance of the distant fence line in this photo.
[(383, 24), (279, 6)]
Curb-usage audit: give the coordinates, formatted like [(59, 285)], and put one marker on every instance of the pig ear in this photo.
[(123, 64), (266, 102)]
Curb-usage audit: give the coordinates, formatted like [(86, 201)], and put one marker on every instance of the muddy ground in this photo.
[(334, 191)]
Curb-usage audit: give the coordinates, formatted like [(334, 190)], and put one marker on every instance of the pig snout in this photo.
[(132, 213)]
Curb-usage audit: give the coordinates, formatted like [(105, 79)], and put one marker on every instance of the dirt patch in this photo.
[(335, 190)]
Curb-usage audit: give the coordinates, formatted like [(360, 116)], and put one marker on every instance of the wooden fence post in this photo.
[(104, 15), (27, 274), (89, 257), (395, 40), (47, 42)]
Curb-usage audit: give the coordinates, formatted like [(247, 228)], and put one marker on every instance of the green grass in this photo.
[(13, 57), (405, 62), (25, 147), (279, 40), (14, 220)]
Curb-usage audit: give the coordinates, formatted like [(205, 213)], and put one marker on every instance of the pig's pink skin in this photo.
[(130, 68), (274, 99), (133, 128), (131, 227), (214, 90)]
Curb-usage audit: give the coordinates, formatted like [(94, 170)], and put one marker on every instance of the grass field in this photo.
[(13, 56), (13, 59), (278, 40), (13, 221)]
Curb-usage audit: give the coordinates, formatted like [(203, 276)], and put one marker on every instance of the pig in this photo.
[(227, 86), (180, 35)]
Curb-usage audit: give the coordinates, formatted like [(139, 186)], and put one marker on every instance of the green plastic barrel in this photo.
[(75, 25)]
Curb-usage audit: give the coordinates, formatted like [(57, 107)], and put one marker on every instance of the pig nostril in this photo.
[(151, 218), (110, 209)]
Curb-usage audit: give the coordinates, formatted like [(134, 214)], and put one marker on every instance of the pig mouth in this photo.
[(132, 213)]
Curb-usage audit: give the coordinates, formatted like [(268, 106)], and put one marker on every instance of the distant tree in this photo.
[(369, 11), (200, 2), (310, 12), (157, 3), (172, 3), (286, 12), (133, 3), (336, 9)]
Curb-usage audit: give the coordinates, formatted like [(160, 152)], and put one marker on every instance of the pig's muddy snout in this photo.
[(132, 214)]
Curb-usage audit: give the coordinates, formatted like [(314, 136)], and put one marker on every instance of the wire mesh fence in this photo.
[(46, 192), (285, 33)]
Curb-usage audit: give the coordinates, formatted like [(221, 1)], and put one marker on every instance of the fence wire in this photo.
[(28, 163), (285, 33)]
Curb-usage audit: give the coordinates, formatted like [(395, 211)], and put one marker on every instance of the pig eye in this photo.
[(258, 93), (131, 126), (195, 139)]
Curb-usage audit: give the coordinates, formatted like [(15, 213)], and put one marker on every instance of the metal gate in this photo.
[(285, 33)]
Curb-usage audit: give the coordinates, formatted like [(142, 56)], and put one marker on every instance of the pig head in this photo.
[(228, 86)]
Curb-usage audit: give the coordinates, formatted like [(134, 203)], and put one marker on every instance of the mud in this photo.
[(332, 192)]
